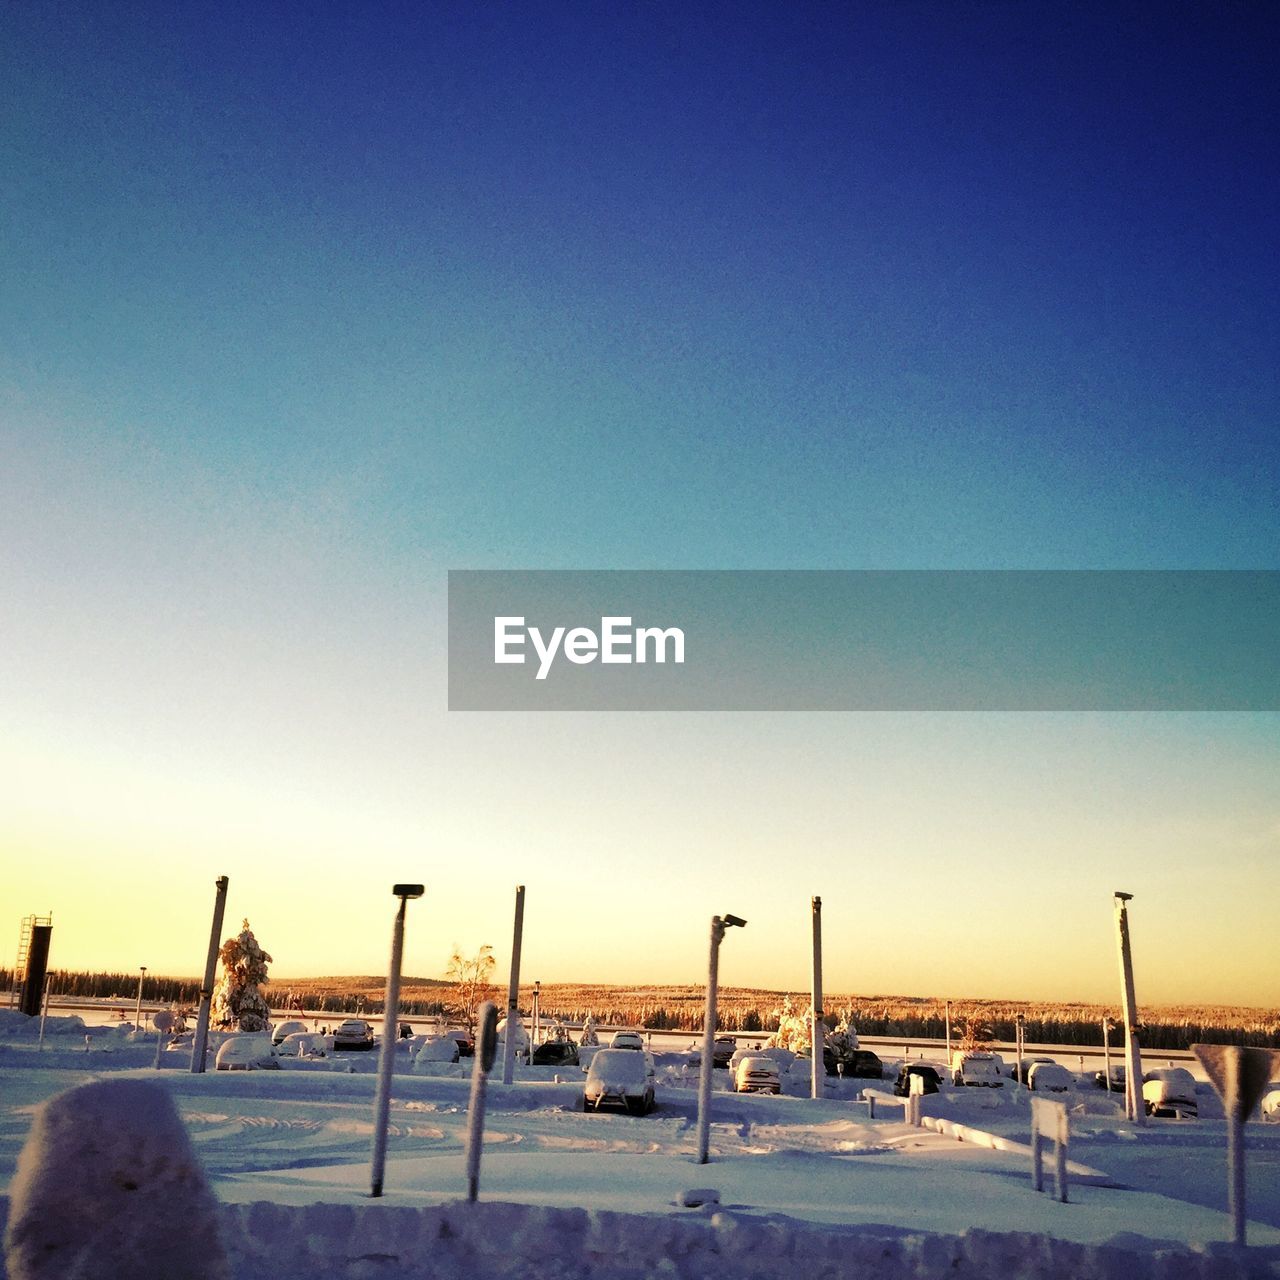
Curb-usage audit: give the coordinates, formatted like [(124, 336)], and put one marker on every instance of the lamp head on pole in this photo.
[(730, 920), (408, 890)]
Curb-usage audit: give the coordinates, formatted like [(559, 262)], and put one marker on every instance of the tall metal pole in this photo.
[(44, 1017), (387, 1055), (1134, 1108), (819, 1066), (137, 1013), (513, 994), (947, 1014), (199, 1043), (486, 1036), (1235, 1177), (708, 1041), (537, 1026), (1106, 1052)]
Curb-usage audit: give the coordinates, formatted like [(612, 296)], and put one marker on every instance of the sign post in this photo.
[(1240, 1078)]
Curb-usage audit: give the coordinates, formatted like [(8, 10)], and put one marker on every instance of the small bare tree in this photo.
[(976, 1035), (472, 982)]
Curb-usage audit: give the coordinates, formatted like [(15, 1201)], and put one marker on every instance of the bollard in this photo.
[(915, 1098)]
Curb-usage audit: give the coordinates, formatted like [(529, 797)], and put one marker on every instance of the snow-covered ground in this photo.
[(301, 1136)]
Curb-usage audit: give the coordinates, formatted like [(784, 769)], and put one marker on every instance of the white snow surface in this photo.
[(812, 1186)]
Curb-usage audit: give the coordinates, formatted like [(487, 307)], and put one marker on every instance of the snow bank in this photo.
[(15, 1024), (492, 1241), (108, 1187)]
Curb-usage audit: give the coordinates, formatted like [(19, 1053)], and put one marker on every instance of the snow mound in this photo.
[(106, 1174), (14, 1023)]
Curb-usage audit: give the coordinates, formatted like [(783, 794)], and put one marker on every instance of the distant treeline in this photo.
[(121, 986), (1047, 1028), (680, 1009)]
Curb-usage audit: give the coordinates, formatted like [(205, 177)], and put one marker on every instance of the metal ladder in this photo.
[(28, 926)]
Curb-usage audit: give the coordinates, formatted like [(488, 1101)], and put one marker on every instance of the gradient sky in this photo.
[(302, 306)]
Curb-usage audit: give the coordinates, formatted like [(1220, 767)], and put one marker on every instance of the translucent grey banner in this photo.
[(910, 640)]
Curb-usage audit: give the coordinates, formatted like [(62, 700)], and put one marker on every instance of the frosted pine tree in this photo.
[(842, 1040), (794, 1029), (237, 1002), (589, 1035)]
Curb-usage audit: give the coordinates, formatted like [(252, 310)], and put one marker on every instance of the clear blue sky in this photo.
[(300, 307)]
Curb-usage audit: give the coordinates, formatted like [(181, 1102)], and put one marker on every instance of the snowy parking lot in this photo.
[(301, 1136)]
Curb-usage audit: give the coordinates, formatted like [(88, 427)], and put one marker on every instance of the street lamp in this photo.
[(386, 1059), (718, 926), (137, 1013), (1134, 1108)]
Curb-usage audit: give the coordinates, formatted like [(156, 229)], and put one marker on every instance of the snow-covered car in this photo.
[(627, 1040), (1021, 1071), (1170, 1091), (756, 1074), (555, 1053), (438, 1049), (619, 1078), (862, 1064), (930, 1075), (783, 1057), (283, 1030), (519, 1037), (1113, 1082), (246, 1053), (722, 1050), (1050, 1077), (1269, 1107), (977, 1069), (354, 1033), (462, 1038), (301, 1044)]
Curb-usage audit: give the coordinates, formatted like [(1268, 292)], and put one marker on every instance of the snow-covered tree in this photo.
[(237, 1002), (589, 1035), (843, 1038), (794, 1029)]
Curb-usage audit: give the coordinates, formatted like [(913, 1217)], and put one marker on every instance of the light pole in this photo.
[(537, 992), (818, 1065), (137, 1013), (513, 993), (201, 1038), (718, 926), (1134, 1106), (390, 1020)]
